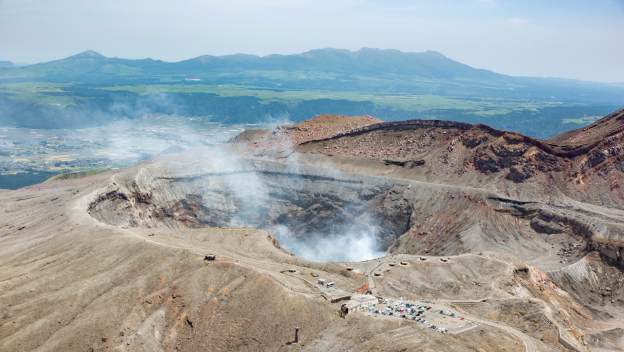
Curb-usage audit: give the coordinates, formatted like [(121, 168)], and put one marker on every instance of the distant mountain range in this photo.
[(6, 64), (90, 89), (365, 70)]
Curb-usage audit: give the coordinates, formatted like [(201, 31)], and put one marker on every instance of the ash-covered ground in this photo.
[(339, 233)]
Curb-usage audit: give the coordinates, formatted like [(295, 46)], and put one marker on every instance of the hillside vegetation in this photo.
[(90, 89)]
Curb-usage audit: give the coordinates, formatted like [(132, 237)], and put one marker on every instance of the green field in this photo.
[(56, 94), (414, 103)]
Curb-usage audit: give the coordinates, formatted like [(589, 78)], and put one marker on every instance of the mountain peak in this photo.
[(88, 54), (325, 52), (435, 53)]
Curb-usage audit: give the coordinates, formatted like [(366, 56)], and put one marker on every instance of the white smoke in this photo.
[(249, 194), (353, 243), (238, 178), (231, 171)]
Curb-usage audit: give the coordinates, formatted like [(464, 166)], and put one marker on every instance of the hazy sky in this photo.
[(563, 38)]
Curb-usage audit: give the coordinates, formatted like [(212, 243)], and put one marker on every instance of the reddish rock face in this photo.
[(476, 154)]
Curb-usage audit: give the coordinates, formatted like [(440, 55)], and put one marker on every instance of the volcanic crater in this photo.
[(300, 207), (514, 244)]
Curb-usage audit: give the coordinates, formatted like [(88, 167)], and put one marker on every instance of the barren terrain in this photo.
[(493, 241)]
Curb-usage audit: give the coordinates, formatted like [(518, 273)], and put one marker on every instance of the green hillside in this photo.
[(90, 89)]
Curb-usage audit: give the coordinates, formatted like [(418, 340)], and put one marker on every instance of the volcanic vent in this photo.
[(317, 214)]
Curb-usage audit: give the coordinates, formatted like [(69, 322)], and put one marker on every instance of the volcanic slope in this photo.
[(491, 229)]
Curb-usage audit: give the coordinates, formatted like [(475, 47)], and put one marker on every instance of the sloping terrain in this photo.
[(489, 229), (476, 155), (608, 126), (285, 137), (72, 283)]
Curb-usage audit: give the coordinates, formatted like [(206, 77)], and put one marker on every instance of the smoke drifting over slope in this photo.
[(324, 225), (315, 213), (291, 205)]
